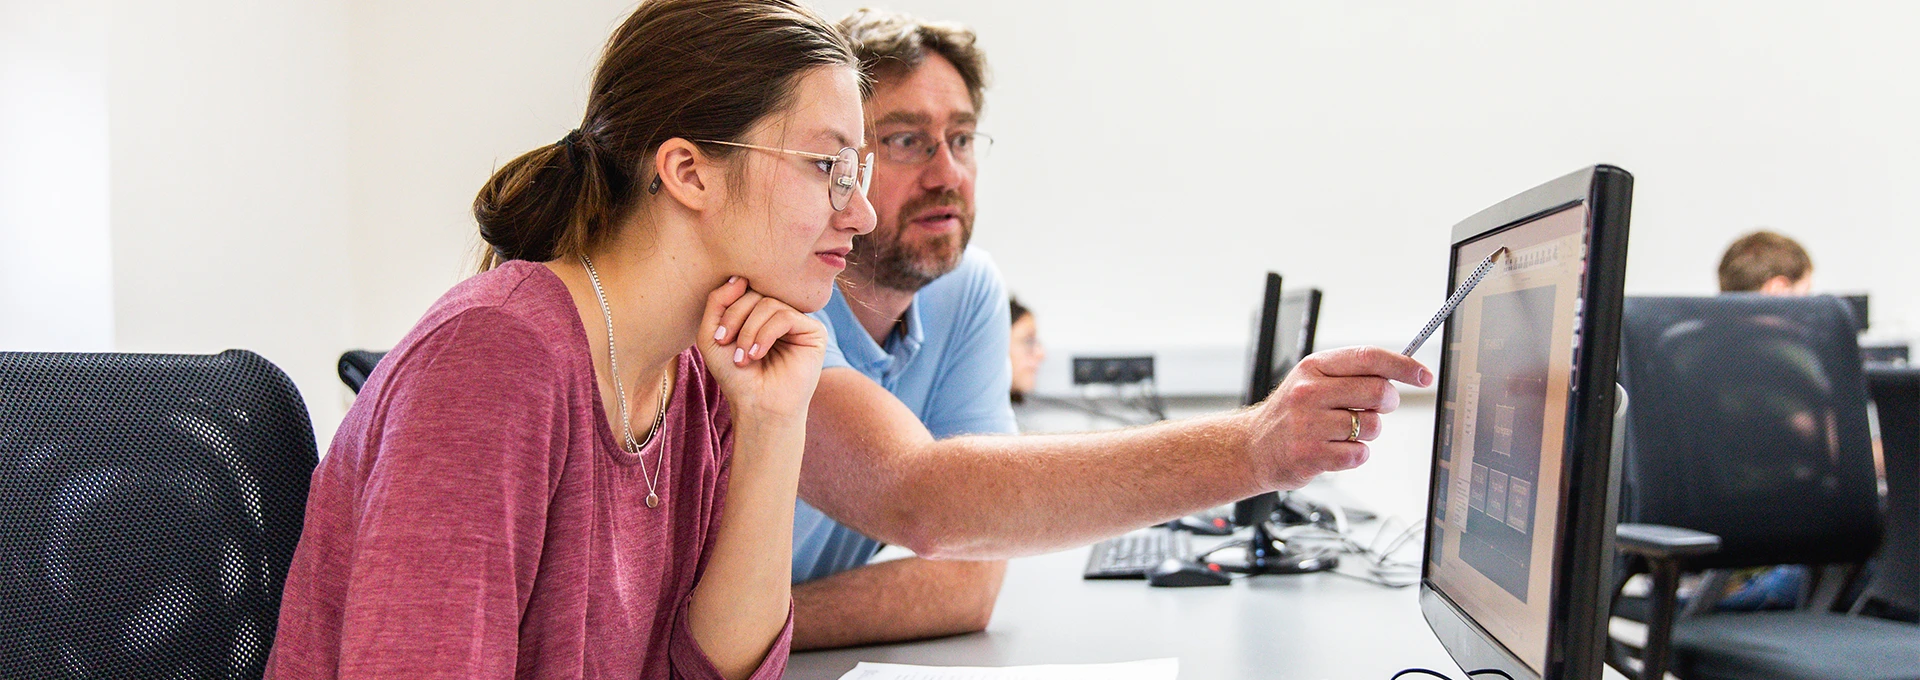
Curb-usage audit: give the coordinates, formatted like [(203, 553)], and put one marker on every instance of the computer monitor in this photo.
[(1857, 303), (1266, 327), (1293, 338), (1525, 477), (1283, 335)]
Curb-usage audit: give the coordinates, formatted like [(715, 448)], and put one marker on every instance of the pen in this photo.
[(1446, 310)]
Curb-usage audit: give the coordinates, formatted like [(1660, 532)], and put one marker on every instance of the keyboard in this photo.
[(1131, 555)]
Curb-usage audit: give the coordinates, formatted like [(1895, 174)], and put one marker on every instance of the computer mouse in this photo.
[(1179, 573)]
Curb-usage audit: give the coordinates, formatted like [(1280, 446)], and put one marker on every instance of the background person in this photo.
[(1024, 350), (1766, 262)]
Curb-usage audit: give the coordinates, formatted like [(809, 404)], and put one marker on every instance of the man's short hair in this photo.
[(891, 43), (1758, 257)]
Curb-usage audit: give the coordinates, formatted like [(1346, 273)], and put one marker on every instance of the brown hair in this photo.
[(691, 69), (891, 43), (1758, 257)]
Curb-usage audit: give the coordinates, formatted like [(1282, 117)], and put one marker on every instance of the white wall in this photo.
[(444, 91), (1154, 159), (294, 177), (1152, 162), (56, 281), (229, 171)]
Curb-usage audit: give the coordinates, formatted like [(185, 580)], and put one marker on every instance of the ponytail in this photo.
[(548, 203)]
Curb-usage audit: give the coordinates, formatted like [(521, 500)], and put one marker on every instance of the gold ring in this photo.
[(1353, 435)]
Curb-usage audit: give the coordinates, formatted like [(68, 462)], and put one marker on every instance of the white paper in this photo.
[(1150, 669)]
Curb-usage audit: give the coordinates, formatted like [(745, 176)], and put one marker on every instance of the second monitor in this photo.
[(1282, 336)]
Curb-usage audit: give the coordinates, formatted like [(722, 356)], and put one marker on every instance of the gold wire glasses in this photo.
[(845, 175)]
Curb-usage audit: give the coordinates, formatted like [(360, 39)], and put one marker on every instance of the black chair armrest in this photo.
[(1660, 542), (1663, 548), (357, 365)]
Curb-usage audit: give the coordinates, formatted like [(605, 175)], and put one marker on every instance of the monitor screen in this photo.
[(1508, 367), (1293, 334)]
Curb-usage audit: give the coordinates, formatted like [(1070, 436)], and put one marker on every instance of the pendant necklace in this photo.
[(626, 421)]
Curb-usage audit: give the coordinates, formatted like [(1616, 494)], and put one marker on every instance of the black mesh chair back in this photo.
[(149, 508), (1750, 422), (1894, 590), (357, 365)]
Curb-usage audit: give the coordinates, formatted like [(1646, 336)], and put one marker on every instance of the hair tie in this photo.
[(573, 138)]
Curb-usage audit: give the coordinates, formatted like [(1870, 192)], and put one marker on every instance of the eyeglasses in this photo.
[(845, 173), (914, 148)]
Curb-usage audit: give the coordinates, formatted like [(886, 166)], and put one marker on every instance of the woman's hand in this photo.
[(764, 354)]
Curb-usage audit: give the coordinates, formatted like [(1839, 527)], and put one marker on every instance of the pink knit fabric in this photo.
[(474, 518)]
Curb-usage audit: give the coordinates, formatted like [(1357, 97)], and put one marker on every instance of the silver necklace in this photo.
[(626, 422)]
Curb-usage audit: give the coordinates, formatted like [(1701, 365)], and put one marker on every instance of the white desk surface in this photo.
[(1299, 627)]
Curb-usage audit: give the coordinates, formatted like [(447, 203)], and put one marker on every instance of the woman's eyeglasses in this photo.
[(846, 173)]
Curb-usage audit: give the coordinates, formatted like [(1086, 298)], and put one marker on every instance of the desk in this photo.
[(1299, 627)]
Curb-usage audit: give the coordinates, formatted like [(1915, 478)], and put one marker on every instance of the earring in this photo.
[(654, 188)]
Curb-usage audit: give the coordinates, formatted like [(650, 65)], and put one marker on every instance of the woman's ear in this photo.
[(686, 174)]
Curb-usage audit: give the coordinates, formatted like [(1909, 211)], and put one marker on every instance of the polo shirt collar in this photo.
[(866, 355)]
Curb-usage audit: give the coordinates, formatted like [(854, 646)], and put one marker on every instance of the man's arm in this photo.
[(873, 467), (905, 599)]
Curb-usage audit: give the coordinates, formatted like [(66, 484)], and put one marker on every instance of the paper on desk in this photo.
[(1150, 669)]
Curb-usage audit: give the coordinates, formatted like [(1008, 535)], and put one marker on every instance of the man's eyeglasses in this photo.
[(914, 148), (845, 171)]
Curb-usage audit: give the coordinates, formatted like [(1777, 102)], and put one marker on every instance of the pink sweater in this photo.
[(474, 518)]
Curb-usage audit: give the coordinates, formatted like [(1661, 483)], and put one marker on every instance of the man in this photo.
[(920, 323), (1767, 263)]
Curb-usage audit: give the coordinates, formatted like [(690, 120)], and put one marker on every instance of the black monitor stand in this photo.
[(1266, 553)]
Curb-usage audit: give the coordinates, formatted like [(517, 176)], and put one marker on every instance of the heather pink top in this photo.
[(474, 518)]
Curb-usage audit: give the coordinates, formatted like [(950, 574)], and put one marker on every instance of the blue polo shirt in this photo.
[(949, 367)]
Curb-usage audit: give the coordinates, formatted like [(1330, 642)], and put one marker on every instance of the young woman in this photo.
[(582, 462), (1024, 350)]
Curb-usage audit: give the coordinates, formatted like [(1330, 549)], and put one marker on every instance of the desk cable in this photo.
[(1494, 672), (1381, 569)]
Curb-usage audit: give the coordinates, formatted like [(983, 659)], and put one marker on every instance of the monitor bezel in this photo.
[(1582, 591), (1260, 381)]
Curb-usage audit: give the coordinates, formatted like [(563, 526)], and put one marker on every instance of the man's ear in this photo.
[(1778, 285), (686, 174)]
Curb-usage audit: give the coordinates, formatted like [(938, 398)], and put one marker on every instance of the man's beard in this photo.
[(897, 264)]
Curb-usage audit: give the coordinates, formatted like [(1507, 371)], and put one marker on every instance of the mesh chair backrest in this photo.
[(1749, 421), (1896, 570), (149, 508)]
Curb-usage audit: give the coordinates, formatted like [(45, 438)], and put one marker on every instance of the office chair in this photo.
[(357, 365), (149, 508), (1894, 590), (1747, 446)]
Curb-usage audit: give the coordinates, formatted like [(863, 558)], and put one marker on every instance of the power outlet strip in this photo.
[(1112, 370)]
